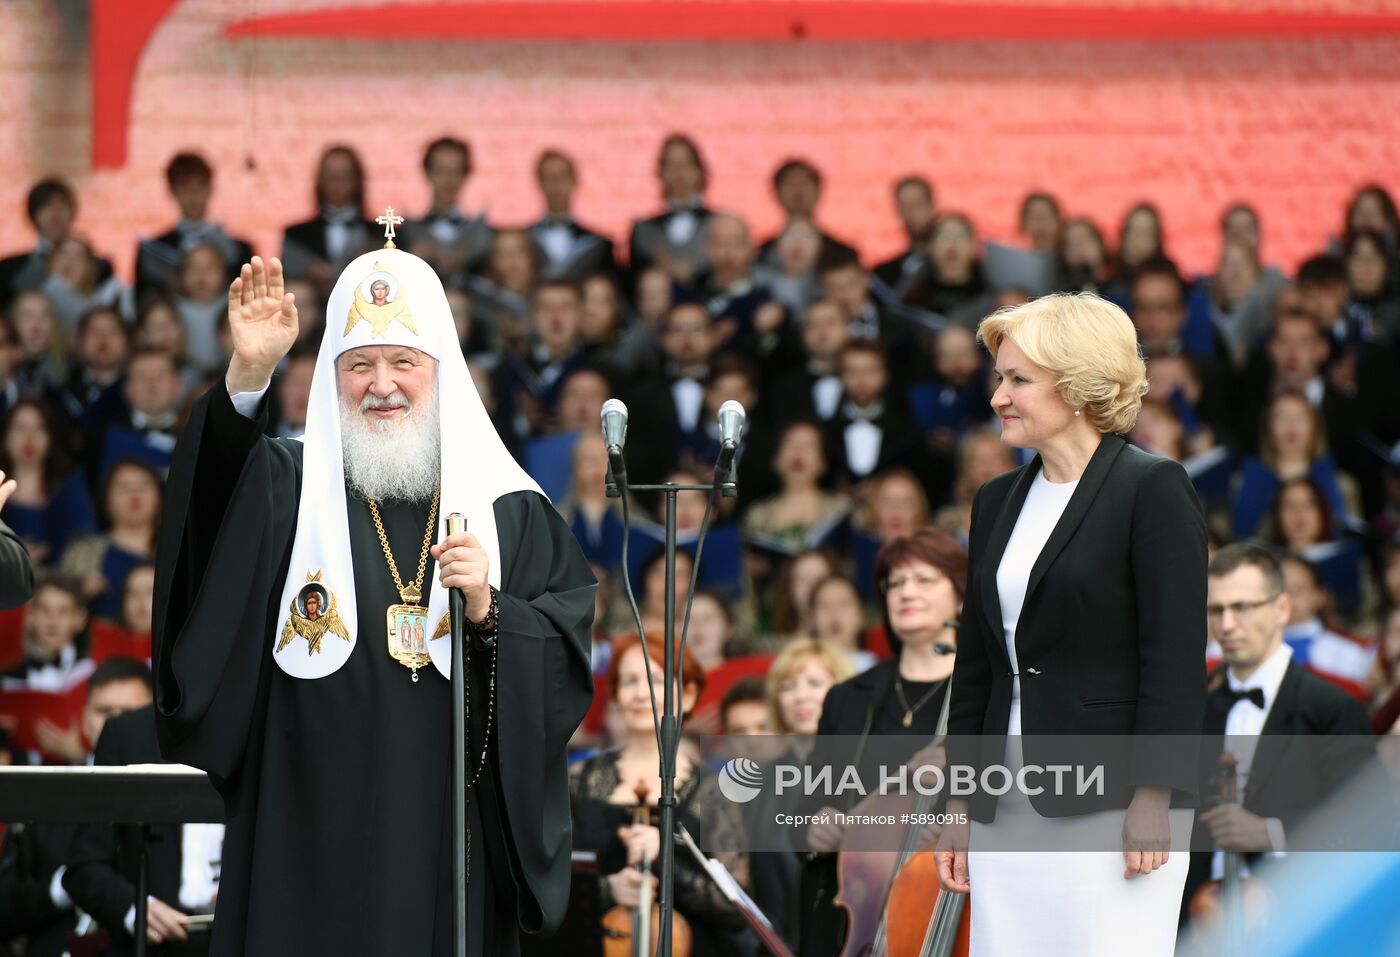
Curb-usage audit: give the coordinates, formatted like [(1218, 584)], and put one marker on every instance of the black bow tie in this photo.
[(1232, 697)]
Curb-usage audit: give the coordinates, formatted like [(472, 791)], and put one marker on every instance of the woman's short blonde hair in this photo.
[(1088, 344), (792, 659)]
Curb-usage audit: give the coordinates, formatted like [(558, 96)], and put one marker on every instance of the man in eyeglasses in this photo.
[(1258, 693)]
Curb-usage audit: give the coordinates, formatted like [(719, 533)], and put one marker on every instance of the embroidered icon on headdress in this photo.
[(312, 615), (379, 301)]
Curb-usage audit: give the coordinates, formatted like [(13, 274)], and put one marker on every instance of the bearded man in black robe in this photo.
[(328, 737)]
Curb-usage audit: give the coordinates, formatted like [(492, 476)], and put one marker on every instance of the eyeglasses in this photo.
[(923, 581), (1239, 609)]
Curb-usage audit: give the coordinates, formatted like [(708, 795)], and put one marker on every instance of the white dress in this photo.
[(1070, 902)]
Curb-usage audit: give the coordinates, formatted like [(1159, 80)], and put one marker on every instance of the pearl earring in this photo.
[(1076, 413)]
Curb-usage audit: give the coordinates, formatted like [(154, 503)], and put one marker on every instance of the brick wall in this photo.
[(1291, 125)]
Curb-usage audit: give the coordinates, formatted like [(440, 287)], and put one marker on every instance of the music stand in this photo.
[(736, 896)]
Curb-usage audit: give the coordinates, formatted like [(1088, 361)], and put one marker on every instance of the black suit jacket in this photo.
[(1111, 638), (308, 239), (101, 876), (1292, 773), (27, 270), (592, 254), (29, 857), (902, 445), (902, 273), (158, 260), (16, 570)]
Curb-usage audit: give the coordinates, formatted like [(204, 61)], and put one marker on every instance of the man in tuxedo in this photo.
[(153, 391), (449, 240), (1159, 312), (566, 250), (1294, 358), (676, 239), (52, 207), (956, 398), (553, 350), (813, 390), (667, 408), (1267, 706), (797, 186), (34, 903), (191, 181), (93, 396), (318, 249), (183, 865), (846, 283), (872, 429), (914, 202), (753, 321)]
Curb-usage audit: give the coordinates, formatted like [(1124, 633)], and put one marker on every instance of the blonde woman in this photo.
[(1084, 614), (798, 681)]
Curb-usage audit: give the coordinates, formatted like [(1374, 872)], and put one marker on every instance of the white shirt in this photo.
[(689, 396), (557, 241), (246, 403), (201, 857), (1045, 503), (826, 396), (1331, 653), (1244, 724), (863, 440)]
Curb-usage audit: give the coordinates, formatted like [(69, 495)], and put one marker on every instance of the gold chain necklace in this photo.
[(909, 711), (408, 622)]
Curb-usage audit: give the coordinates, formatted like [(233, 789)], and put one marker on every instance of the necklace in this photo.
[(904, 703), (408, 622)]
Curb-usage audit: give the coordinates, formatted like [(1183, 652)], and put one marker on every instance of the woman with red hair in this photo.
[(604, 788)]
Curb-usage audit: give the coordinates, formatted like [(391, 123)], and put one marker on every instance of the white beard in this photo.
[(397, 459)]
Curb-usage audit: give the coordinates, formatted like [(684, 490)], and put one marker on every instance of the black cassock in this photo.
[(337, 789)]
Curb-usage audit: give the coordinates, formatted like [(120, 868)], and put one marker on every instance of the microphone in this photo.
[(614, 419), (731, 430)]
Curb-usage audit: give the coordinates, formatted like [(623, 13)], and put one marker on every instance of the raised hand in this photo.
[(262, 318), (7, 488)]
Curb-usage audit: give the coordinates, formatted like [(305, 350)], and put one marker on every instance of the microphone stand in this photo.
[(670, 669), (457, 614)]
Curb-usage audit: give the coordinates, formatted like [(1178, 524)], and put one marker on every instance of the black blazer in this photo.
[(1290, 774), (1112, 635), (101, 875), (16, 569)]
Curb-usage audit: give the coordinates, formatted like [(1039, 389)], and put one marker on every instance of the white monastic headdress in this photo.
[(476, 467)]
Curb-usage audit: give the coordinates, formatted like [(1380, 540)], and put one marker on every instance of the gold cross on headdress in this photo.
[(389, 221)]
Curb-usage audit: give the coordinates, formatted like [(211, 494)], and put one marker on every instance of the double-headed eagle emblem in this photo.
[(312, 614)]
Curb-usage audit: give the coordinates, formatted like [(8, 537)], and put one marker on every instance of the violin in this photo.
[(636, 931), (1234, 901)]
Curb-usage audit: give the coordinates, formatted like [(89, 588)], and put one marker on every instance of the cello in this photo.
[(635, 931), (895, 902)]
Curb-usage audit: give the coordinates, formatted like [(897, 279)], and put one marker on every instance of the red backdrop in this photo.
[(1287, 103)]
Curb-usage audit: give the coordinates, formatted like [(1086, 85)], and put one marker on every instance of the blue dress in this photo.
[(1259, 486), (67, 517), (117, 563)]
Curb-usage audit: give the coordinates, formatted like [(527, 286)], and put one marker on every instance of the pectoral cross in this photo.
[(389, 221)]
